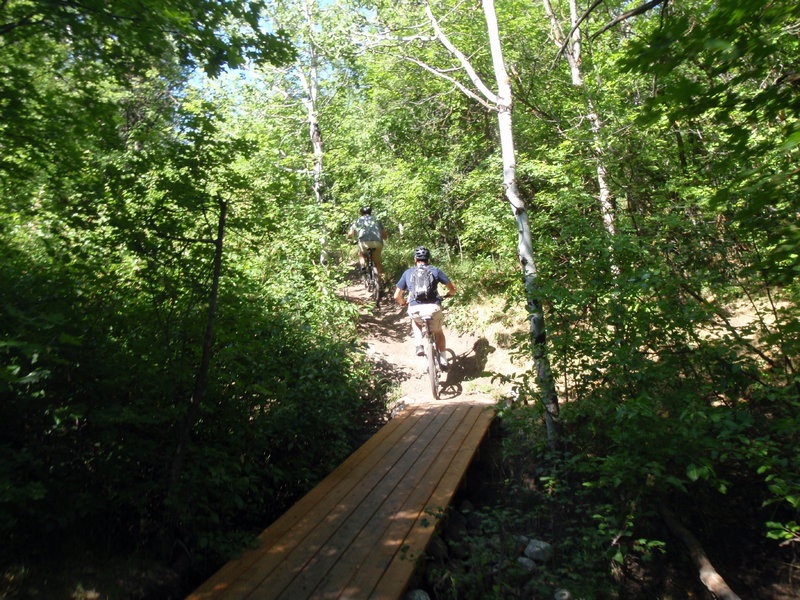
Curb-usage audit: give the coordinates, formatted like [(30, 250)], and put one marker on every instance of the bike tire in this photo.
[(375, 292), (433, 369)]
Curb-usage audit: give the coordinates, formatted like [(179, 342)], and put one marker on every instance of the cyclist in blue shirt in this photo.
[(421, 282)]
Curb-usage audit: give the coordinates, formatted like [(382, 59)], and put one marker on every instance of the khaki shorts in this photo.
[(376, 248), (434, 311)]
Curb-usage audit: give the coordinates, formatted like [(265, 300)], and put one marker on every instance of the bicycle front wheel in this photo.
[(433, 368)]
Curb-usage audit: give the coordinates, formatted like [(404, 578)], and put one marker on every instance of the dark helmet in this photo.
[(366, 210), (422, 253)]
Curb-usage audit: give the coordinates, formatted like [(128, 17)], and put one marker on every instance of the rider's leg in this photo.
[(441, 343), (438, 336), (362, 259), (442, 346), (416, 329), (376, 259)]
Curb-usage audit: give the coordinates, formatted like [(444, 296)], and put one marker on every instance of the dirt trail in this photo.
[(473, 359)]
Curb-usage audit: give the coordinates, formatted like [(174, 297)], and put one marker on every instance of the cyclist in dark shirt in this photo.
[(427, 307)]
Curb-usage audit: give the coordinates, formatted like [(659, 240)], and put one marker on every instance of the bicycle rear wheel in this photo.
[(433, 368), (366, 279), (375, 283)]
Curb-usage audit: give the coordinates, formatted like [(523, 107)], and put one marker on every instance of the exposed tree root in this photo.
[(708, 574)]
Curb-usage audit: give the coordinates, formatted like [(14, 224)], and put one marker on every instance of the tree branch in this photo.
[(23, 22), (589, 10), (726, 323), (386, 35), (178, 238), (468, 92), (523, 99), (490, 96), (627, 15), (555, 26)]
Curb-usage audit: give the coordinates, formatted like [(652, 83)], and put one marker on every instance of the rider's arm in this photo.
[(399, 296), (451, 289)]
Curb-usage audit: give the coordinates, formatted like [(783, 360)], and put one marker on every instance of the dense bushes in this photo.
[(97, 373)]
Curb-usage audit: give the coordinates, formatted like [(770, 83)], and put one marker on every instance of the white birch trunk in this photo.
[(573, 54), (310, 83), (504, 102)]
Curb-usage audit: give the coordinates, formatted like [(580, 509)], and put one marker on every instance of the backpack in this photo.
[(369, 229), (422, 286)]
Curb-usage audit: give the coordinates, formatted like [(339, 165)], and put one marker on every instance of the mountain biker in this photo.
[(370, 234), (431, 305)]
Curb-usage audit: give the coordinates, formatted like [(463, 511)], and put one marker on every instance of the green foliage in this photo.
[(91, 402), (130, 38), (674, 337), (290, 402), (110, 241), (733, 74)]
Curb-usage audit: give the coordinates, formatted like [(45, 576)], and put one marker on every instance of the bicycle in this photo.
[(370, 278), (433, 355)]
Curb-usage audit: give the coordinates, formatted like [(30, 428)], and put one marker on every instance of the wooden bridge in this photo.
[(359, 533)]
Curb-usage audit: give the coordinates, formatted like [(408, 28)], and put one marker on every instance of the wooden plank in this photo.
[(319, 548), (362, 460), (355, 572), (346, 537), (292, 550), (359, 538), (398, 573)]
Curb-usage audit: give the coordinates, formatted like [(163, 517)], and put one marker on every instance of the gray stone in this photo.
[(526, 562), (521, 542), (539, 551), (562, 594), (522, 539), (417, 595)]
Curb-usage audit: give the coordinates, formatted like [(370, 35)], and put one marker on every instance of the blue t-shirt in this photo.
[(438, 277)]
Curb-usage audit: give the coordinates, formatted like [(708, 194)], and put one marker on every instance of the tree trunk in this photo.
[(310, 82), (315, 135), (572, 53), (306, 70), (315, 132), (201, 378), (538, 333), (501, 103)]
